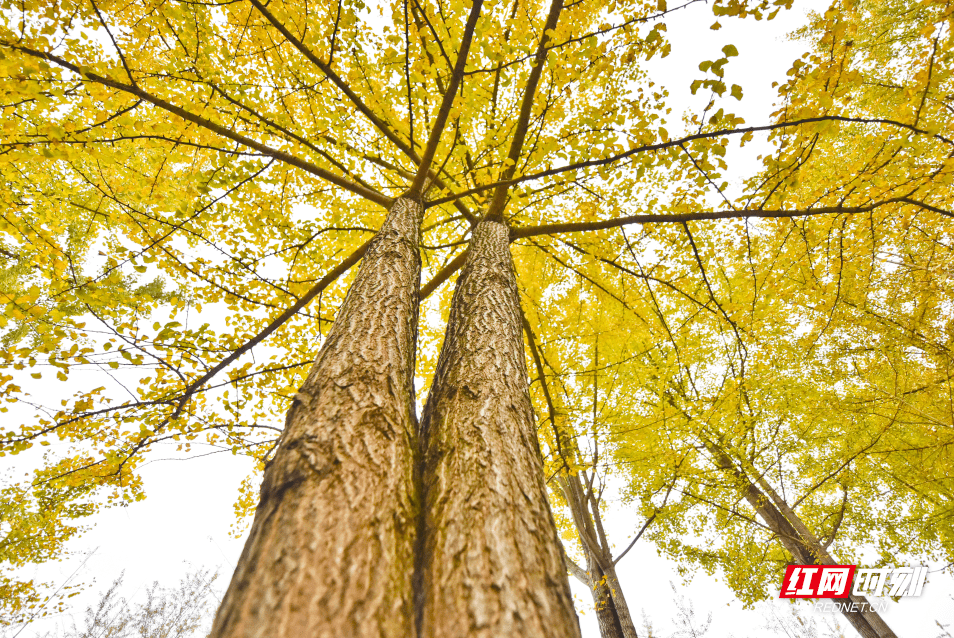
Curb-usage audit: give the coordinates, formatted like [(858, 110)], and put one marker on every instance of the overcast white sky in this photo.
[(187, 515)]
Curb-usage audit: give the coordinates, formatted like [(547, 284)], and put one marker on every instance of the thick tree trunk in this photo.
[(490, 563), (330, 553), (800, 542)]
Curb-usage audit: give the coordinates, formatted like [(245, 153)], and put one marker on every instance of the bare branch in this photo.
[(443, 275), (327, 280)]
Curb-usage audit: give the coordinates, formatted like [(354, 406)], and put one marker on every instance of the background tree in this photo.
[(815, 309), (166, 160), (36, 524), (167, 612)]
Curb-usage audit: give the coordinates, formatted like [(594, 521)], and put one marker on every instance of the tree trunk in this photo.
[(619, 603), (612, 611), (606, 615), (330, 552), (609, 572), (817, 549), (802, 545), (490, 563)]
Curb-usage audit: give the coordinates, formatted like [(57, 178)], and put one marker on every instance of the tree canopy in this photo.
[(188, 185)]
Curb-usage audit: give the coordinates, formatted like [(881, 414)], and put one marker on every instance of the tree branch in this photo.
[(638, 536), (499, 201), (378, 123), (538, 364), (575, 569), (434, 137), (369, 194), (443, 274), (572, 227), (674, 143), (327, 280)]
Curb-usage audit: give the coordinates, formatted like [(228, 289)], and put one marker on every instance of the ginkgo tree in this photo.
[(301, 177), (810, 418)]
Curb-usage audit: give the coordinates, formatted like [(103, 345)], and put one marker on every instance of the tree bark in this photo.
[(330, 552), (593, 577), (490, 562), (817, 549)]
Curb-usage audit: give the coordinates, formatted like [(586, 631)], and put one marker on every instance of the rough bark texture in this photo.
[(330, 553), (593, 577), (491, 564), (817, 549), (800, 542)]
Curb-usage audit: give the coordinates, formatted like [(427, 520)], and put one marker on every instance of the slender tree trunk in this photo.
[(817, 549), (490, 563), (330, 553), (595, 581), (609, 572), (612, 611), (592, 577), (800, 542), (619, 602), (606, 615)]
